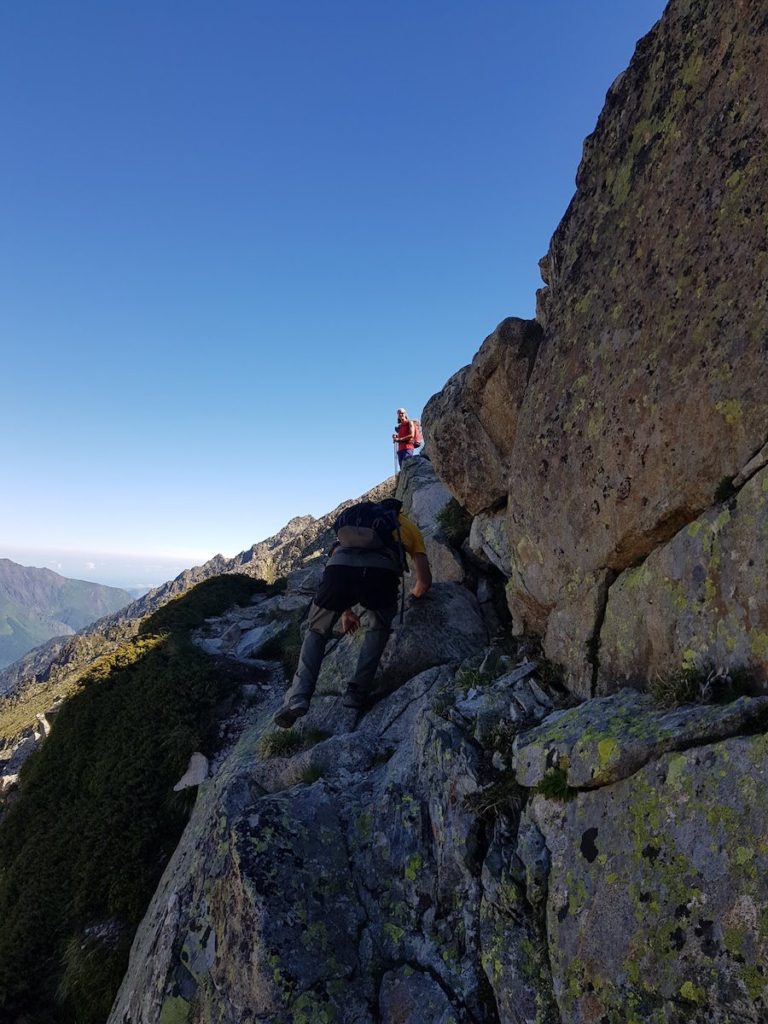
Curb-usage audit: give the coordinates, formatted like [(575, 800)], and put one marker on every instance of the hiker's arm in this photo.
[(423, 575)]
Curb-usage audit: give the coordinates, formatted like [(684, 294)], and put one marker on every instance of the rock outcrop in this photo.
[(474, 849), (648, 392)]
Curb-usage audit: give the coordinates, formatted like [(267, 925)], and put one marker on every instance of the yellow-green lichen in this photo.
[(730, 410), (175, 1010), (413, 867), (691, 993)]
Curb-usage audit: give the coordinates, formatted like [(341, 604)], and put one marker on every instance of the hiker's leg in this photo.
[(321, 623), (376, 623)]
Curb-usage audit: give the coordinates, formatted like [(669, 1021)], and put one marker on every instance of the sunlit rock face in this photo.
[(649, 388)]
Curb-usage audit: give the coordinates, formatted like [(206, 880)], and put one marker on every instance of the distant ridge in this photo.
[(38, 604), (301, 540)]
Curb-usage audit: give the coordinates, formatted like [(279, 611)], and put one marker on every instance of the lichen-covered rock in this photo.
[(444, 627), (608, 739), (470, 425), (489, 542), (657, 891), (650, 385), (699, 601), (290, 888)]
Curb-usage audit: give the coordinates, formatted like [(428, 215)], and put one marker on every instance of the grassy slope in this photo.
[(83, 847)]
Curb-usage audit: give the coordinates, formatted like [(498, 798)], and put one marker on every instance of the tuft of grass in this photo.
[(503, 795), (700, 685), (311, 774), (555, 786), (92, 974), (287, 742), (467, 679), (454, 522)]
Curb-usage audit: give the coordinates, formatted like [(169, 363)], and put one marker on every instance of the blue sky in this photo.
[(237, 236)]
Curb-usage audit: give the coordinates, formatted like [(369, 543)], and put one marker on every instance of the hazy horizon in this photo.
[(113, 569)]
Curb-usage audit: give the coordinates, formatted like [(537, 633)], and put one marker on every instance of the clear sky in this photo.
[(236, 236)]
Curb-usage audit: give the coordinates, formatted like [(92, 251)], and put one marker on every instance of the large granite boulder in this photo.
[(470, 425), (698, 602), (650, 385)]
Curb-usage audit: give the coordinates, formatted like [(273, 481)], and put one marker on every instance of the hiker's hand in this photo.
[(350, 622), (423, 575)]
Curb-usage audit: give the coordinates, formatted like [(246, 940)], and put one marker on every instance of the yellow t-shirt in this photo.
[(410, 535)]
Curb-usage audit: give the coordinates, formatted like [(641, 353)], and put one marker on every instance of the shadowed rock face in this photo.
[(470, 425), (650, 385)]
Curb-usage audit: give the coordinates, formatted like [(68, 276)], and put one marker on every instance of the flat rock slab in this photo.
[(604, 740), (255, 639)]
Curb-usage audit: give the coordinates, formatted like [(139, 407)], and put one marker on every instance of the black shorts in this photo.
[(345, 585)]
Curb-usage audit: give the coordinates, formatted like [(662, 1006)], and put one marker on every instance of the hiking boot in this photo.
[(287, 715)]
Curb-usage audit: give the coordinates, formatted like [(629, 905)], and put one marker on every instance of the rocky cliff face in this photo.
[(476, 849), (647, 393)]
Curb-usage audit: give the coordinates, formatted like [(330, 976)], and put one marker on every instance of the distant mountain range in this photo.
[(55, 663), (38, 604)]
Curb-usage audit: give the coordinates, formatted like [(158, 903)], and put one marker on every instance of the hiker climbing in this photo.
[(407, 436), (364, 570)]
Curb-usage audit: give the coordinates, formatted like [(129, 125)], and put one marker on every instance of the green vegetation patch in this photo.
[(692, 684), (554, 785), (96, 820), (454, 522), (206, 600)]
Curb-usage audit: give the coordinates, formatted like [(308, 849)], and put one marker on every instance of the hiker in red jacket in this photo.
[(404, 437)]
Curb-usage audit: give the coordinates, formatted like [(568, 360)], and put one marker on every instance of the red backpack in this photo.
[(418, 436)]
